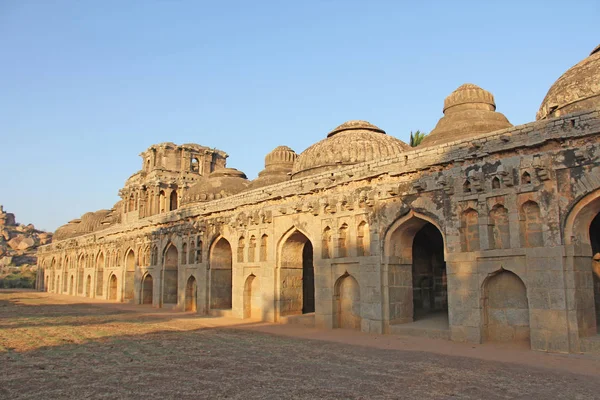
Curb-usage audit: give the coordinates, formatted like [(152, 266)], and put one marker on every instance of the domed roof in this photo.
[(89, 222), (577, 89), (468, 111), (352, 142), (278, 166), (221, 183)]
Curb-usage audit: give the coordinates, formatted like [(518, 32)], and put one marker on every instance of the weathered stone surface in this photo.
[(484, 232)]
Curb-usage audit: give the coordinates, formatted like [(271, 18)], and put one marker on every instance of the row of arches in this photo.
[(499, 227), (497, 182), (342, 244), (416, 281), (251, 250)]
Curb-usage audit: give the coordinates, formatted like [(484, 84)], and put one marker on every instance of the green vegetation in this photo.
[(17, 279), (416, 138)]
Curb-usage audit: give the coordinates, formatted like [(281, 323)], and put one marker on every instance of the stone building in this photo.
[(484, 232)]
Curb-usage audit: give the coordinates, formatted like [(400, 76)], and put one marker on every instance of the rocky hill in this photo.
[(18, 247)]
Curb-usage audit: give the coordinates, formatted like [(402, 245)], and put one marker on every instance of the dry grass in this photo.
[(54, 348)]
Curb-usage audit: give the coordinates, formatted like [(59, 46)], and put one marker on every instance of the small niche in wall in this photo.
[(496, 183), (467, 186)]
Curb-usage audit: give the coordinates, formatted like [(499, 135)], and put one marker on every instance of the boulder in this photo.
[(14, 242), (26, 243)]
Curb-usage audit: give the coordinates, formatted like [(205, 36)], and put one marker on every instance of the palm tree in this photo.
[(416, 138)]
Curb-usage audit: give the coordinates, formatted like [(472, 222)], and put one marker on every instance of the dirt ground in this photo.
[(59, 347)]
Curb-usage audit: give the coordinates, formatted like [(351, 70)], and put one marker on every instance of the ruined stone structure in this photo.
[(484, 232)]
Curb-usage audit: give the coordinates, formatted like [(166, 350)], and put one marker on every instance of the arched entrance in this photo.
[(147, 289), (582, 233), (171, 259), (416, 272), (72, 285), (191, 294), (251, 291), (595, 241), (88, 286), (129, 276), (347, 303), (506, 309), (112, 287), (220, 275), (297, 276)]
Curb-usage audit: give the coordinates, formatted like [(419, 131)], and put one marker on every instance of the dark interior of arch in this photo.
[(429, 272), (595, 242)]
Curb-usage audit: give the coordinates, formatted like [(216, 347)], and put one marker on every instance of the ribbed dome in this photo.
[(89, 222), (576, 90), (281, 155), (350, 143), (221, 183), (468, 111), (278, 166)]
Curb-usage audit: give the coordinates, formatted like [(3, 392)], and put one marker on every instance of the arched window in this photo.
[(199, 251), (195, 165), (496, 183), (161, 201), (362, 239), (240, 249), (251, 249), (326, 243), (525, 178), (499, 228), (184, 254), (263, 247), (131, 203), (467, 186), (192, 252), (531, 225), (173, 201), (154, 255), (342, 241), (470, 230)]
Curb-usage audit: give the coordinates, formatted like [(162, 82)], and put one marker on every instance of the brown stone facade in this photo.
[(489, 237)]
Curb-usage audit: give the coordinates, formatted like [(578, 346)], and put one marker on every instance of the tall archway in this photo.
[(112, 287), (506, 309), (416, 271), (72, 285), (347, 303), (595, 280), (171, 259), (88, 286), (251, 293), (297, 275), (191, 294), (147, 289), (220, 261), (129, 276), (582, 232)]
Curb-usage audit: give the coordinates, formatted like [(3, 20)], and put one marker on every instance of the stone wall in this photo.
[(505, 204)]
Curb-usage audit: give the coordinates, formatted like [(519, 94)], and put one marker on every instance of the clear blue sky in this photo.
[(85, 86)]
